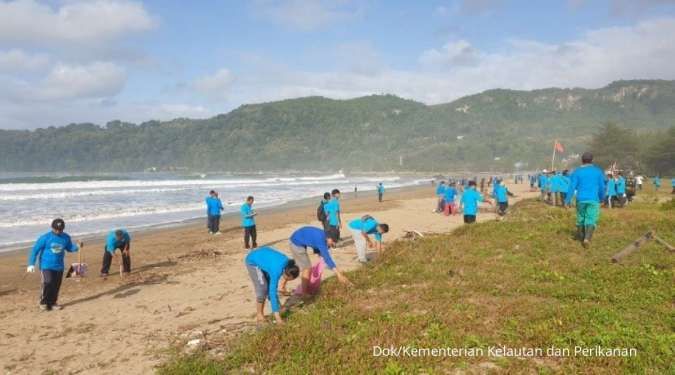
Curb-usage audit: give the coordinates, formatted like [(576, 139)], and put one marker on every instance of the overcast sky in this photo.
[(65, 61)]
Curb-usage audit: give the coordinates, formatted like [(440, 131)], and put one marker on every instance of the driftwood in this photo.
[(412, 234), (635, 245)]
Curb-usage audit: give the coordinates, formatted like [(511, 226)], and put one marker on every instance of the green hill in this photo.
[(494, 129)]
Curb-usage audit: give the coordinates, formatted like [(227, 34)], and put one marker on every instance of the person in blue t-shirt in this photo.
[(501, 194), (449, 199), (361, 230), (300, 242), (118, 239), (440, 190), (542, 184), (588, 184), (380, 192), (266, 266), (657, 182), (620, 189), (50, 248), (611, 190), (469, 202), (332, 209), (248, 215), (213, 209)]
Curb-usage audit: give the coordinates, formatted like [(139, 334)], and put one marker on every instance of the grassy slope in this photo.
[(522, 282)]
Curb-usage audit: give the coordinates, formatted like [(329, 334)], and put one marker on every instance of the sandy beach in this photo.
[(184, 281)]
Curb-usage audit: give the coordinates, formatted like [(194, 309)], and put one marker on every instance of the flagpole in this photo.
[(553, 156)]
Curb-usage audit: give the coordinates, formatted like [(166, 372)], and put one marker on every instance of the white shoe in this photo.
[(44, 307), (217, 234), (57, 307)]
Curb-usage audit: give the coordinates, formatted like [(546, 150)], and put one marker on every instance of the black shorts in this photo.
[(468, 219)]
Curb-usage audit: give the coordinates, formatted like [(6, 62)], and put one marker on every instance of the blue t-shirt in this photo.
[(380, 189), (316, 239), (672, 182), (440, 189), (470, 199), (273, 263), (369, 226), (332, 208), (112, 244), (449, 194), (621, 186), (588, 182), (213, 206), (611, 187), (247, 220), (657, 181), (500, 194), (50, 248), (543, 181)]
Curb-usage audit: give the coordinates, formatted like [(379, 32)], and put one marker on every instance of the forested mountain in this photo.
[(494, 129)]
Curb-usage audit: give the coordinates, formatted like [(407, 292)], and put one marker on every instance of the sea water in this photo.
[(92, 205)]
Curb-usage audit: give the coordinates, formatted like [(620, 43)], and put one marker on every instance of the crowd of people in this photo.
[(270, 269)]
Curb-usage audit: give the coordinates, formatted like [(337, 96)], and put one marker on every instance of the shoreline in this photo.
[(13, 249)]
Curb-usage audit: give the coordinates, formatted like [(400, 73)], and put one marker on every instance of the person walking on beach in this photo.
[(657, 182), (332, 209), (449, 199), (588, 182), (501, 195), (118, 239), (469, 201), (301, 241), (620, 189), (248, 223), (213, 209), (638, 181), (361, 230), (440, 190), (611, 191), (321, 211), (543, 183), (266, 266), (380, 192), (50, 248)]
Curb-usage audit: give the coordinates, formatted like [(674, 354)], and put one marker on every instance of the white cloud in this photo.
[(67, 82), (16, 60), (359, 57), (454, 53), (458, 68), (308, 15), (79, 22), (216, 85)]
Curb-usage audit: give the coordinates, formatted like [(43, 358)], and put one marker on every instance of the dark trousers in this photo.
[(51, 284), (468, 219), (107, 261), (213, 223), (333, 232), (379, 197), (502, 207), (250, 235)]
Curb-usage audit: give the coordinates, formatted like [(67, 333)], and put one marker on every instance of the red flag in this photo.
[(559, 147)]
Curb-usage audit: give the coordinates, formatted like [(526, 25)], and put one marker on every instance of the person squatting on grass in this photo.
[(469, 202), (50, 249), (266, 266), (213, 208), (301, 241), (116, 239), (588, 182), (361, 229), (248, 223)]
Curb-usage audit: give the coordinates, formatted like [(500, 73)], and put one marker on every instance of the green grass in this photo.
[(523, 282)]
